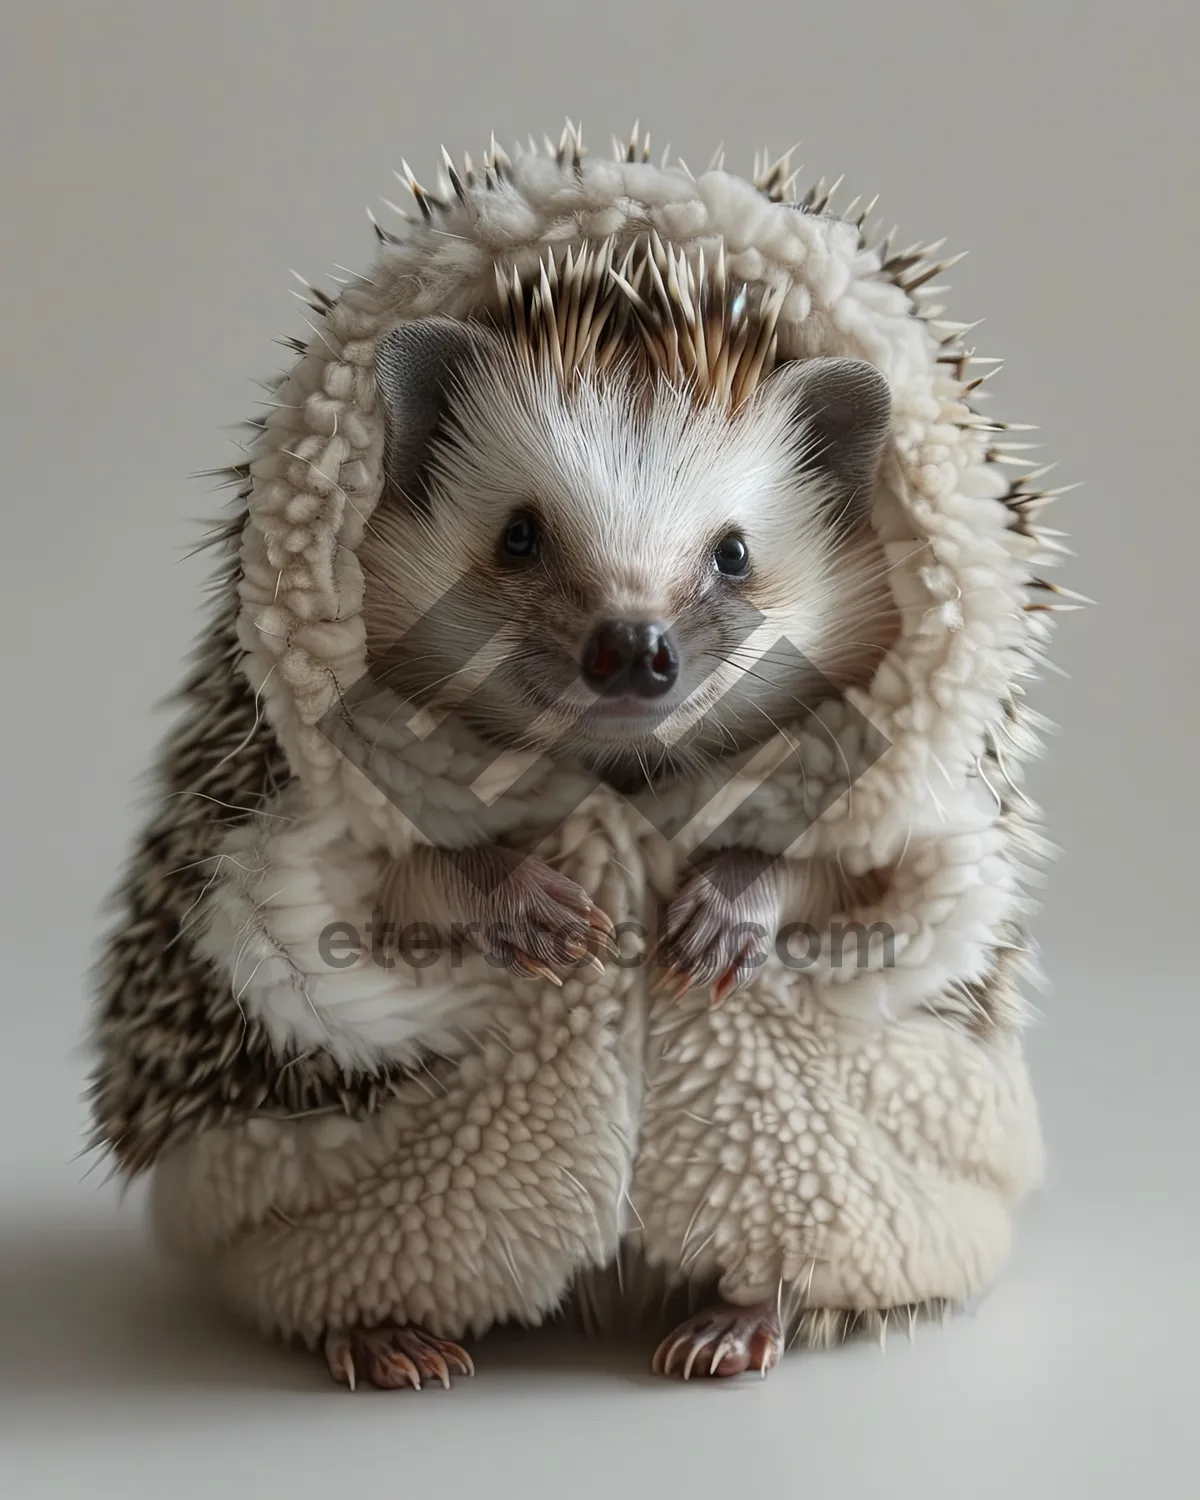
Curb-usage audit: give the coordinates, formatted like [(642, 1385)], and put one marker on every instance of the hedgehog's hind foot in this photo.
[(392, 1357), (723, 1340)]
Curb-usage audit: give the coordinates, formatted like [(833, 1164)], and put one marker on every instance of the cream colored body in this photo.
[(768, 1147)]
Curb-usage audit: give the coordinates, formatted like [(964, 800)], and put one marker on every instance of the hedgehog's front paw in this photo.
[(532, 920), (719, 928)]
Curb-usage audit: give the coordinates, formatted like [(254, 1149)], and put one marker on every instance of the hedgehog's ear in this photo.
[(416, 369), (844, 410)]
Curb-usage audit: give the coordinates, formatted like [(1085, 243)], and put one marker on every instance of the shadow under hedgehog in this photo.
[(624, 595)]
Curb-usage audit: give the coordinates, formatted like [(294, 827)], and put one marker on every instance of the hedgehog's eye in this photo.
[(521, 538), (732, 557)]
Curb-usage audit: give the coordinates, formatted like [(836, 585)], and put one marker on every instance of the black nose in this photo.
[(624, 656)]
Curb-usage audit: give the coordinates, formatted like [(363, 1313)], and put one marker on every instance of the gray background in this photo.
[(164, 164)]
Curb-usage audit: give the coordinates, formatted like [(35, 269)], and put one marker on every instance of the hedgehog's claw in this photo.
[(340, 1359)]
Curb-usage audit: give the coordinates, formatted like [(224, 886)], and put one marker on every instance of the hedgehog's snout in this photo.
[(631, 657)]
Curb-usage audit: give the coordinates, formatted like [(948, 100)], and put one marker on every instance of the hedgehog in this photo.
[(625, 603)]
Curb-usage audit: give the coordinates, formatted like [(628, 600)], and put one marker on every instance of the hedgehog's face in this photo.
[(621, 576)]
